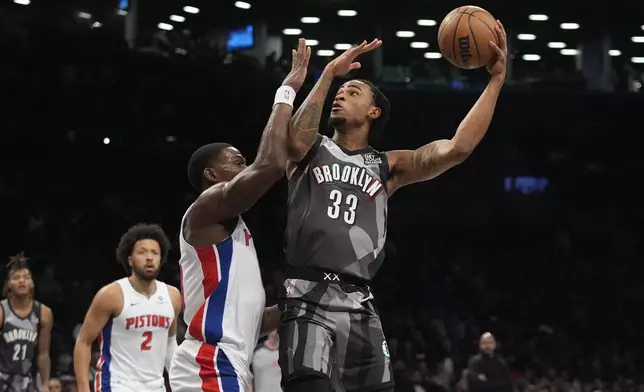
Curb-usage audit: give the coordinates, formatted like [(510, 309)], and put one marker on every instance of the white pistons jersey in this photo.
[(134, 343), (224, 301)]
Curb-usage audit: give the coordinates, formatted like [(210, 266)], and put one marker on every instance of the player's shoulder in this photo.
[(175, 296), (109, 293)]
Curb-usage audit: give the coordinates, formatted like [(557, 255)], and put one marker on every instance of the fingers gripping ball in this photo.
[(464, 37)]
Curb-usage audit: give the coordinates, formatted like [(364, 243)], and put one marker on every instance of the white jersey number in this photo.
[(334, 210), (19, 352)]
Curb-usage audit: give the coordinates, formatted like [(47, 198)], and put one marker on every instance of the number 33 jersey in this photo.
[(134, 344), (337, 210)]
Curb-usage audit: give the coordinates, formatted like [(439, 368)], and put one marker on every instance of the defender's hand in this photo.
[(299, 66), (497, 65), (345, 62)]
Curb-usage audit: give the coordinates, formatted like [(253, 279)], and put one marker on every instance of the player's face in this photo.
[(145, 259), (230, 163), (487, 345), (20, 282), (353, 105), (54, 385)]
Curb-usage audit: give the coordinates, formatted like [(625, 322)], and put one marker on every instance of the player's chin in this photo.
[(336, 119)]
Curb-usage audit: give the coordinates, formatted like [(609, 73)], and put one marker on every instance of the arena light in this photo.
[(106, 140), (614, 53), (242, 4), (426, 22), (556, 45), (325, 53), (84, 15), (97, 25), (405, 34), (420, 45), (121, 12), (310, 19), (569, 26), (526, 37), (347, 13), (638, 40), (311, 42), (637, 60), (190, 9), (433, 55), (569, 52), (291, 31), (342, 46), (177, 18), (165, 26), (531, 57), (538, 17), (22, 2)]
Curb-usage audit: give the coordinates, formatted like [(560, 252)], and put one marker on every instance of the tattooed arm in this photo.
[(304, 126), (433, 159)]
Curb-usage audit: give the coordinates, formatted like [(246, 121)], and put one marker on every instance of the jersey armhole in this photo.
[(384, 170), (301, 165)]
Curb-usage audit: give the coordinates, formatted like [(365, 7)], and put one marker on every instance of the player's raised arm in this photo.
[(305, 123), (229, 199), (105, 304), (433, 159), (44, 341)]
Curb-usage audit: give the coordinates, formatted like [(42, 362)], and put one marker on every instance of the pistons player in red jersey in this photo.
[(134, 320)]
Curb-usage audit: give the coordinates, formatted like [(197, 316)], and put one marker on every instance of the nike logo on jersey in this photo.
[(148, 320), (348, 174), (133, 303)]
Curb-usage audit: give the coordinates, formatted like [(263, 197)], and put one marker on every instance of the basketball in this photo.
[(464, 37)]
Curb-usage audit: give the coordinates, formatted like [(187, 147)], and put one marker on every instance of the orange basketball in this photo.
[(464, 37)]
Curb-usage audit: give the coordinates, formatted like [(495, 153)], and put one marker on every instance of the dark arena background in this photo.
[(536, 238)]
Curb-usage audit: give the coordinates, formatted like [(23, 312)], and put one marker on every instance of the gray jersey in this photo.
[(337, 210), (19, 339), (267, 376)]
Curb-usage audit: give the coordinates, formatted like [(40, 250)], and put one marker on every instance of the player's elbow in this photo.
[(459, 152)]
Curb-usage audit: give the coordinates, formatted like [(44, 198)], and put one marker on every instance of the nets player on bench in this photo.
[(26, 331), (337, 221)]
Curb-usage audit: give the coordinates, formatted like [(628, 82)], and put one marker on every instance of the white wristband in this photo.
[(285, 94)]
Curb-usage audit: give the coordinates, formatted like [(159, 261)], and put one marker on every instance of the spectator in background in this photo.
[(266, 371), (487, 371)]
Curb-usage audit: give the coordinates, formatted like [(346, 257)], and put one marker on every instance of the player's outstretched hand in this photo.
[(299, 66), (497, 65), (345, 62)]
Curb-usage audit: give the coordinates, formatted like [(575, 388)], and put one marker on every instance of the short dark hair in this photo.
[(138, 232), (380, 101), (201, 159), (16, 263)]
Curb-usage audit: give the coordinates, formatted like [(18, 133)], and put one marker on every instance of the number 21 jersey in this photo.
[(337, 210)]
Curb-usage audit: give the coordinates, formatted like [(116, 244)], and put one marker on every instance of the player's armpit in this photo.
[(305, 124), (411, 166)]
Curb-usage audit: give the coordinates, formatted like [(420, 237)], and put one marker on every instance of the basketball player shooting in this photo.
[(221, 281), (134, 320), (336, 227), (26, 331)]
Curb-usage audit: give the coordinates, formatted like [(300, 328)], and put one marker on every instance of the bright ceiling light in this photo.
[(419, 45), (637, 60), (638, 40), (531, 57), (569, 26), (311, 42), (569, 52), (325, 53), (190, 9), (342, 46), (177, 18), (405, 34), (538, 17), (426, 22), (242, 4), (121, 12), (614, 52), (292, 31), (165, 26), (347, 13), (526, 37), (556, 45), (433, 55), (84, 15), (310, 19), (22, 2)]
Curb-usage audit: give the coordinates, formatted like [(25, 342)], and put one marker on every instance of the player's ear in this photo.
[(129, 261), (209, 173), (374, 112)]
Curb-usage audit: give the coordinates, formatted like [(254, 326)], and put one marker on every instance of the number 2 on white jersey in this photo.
[(336, 200)]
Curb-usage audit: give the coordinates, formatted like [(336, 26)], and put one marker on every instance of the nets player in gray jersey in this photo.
[(26, 331), (337, 222)]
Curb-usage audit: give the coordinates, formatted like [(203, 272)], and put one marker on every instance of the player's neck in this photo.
[(351, 140), (145, 287), (20, 302)]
